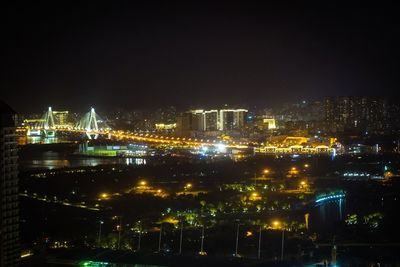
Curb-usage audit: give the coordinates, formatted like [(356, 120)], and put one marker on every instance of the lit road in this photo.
[(160, 139), (55, 201)]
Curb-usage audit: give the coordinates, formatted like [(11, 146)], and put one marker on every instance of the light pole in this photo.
[(237, 239), (139, 236), (259, 243), (180, 239), (99, 237), (119, 233), (282, 243), (280, 225), (159, 238), (202, 241)]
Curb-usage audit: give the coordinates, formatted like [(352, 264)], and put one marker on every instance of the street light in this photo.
[(259, 242), (180, 238), (282, 243), (237, 239), (188, 186), (159, 238), (202, 242), (277, 225), (139, 236), (99, 238), (119, 235)]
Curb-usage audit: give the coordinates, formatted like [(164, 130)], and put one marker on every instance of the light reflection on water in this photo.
[(24, 140), (61, 159), (53, 160), (328, 214)]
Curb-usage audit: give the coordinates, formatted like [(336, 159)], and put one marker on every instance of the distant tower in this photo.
[(9, 214)]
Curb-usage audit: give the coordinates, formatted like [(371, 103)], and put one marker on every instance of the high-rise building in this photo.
[(9, 213), (362, 113), (210, 120), (231, 119), (199, 120)]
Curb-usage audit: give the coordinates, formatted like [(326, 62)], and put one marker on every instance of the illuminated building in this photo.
[(61, 117), (9, 230), (211, 120), (231, 119), (362, 113), (270, 122), (200, 120), (162, 127)]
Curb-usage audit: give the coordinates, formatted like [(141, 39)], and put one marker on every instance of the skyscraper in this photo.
[(362, 113), (231, 119), (9, 213)]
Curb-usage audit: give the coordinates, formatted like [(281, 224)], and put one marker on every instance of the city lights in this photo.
[(188, 186), (212, 136), (104, 195)]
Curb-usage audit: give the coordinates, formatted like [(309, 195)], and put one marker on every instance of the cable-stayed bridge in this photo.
[(92, 125)]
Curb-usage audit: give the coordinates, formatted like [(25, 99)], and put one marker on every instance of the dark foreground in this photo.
[(350, 256)]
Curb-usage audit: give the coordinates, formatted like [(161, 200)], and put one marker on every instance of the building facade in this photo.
[(61, 118), (355, 113), (214, 120), (9, 228)]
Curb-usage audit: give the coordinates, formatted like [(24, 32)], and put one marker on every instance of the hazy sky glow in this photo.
[(73, 55)]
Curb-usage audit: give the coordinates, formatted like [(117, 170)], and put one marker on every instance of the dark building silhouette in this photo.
[(9, 213)]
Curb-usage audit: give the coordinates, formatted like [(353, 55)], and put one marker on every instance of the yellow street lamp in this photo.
[(103, 195), (276, 224)]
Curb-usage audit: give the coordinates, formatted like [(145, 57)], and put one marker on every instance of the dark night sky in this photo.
[(73, 54)]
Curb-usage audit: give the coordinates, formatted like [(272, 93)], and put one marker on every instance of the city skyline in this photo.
[(155, 54), (199, 133)]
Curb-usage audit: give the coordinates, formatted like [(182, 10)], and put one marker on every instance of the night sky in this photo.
[(77, 54)]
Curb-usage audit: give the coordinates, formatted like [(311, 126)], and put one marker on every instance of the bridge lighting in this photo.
[(142, 183), (221, 148), (265, 171)]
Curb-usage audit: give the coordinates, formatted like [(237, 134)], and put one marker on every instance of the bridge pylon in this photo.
[(47, 124), (89, 123)]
